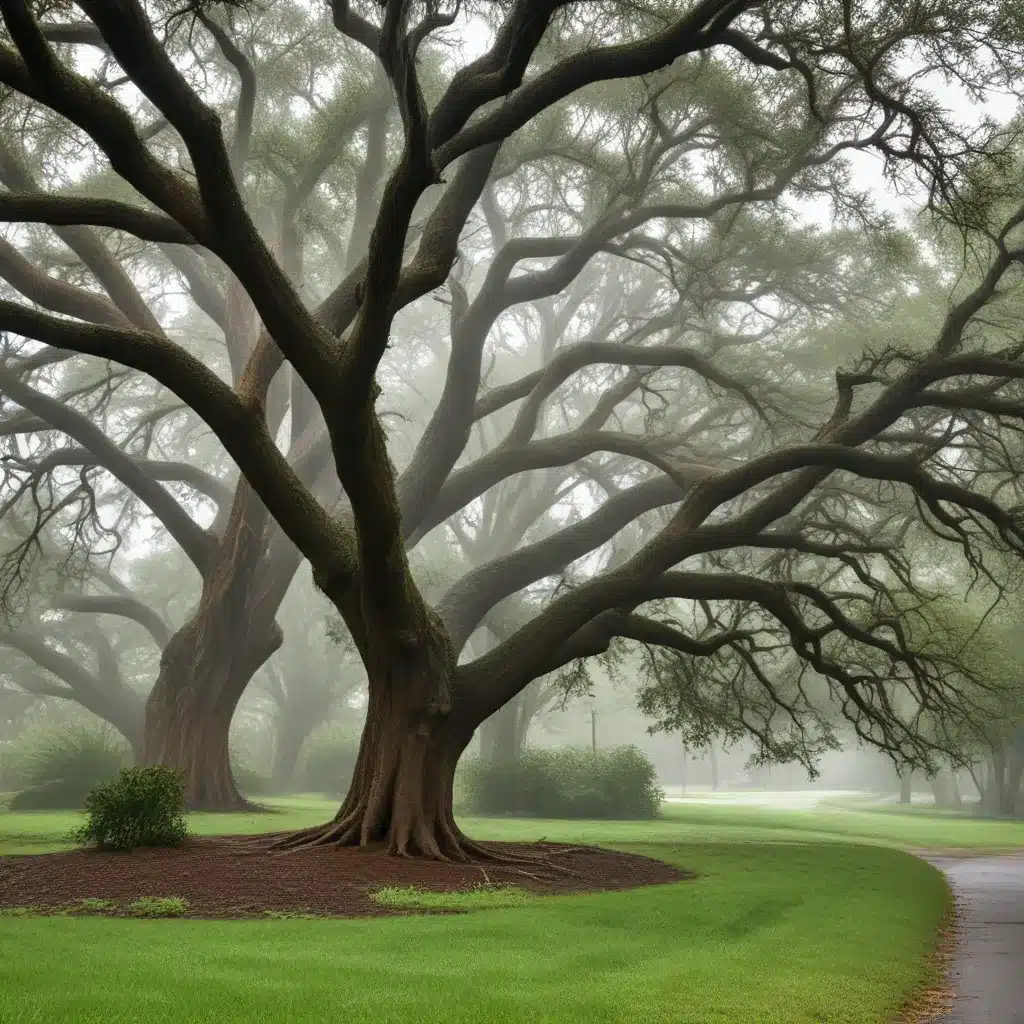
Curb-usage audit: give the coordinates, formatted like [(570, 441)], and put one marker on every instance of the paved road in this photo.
[(988, 970)]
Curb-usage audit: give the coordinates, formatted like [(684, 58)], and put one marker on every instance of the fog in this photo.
[(677, 413)]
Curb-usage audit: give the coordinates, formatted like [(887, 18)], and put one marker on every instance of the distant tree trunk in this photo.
[(203, 675), (954, 787), (1015, 773), (977, 774), (501, 736), (989, 803), (208, 663), (906, 789), (713, 756), (131, 725), (1015, 777), (292, 734), (1000, 787), (287, 746), (945, 791)]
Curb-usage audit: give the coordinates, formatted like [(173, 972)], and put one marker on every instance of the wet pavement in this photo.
[(988, 969)]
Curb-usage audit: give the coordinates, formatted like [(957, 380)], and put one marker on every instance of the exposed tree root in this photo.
[(452, 847)]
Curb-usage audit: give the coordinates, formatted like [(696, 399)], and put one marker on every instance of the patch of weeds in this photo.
[(158, 906), (21, 911), (483, 897), (292, 915), (91, 905)]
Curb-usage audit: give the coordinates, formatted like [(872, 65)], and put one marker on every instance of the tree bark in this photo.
[(203, 672), (401, 792), (417, 727)]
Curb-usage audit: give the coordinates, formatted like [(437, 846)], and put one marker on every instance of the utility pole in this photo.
[(593, 729)]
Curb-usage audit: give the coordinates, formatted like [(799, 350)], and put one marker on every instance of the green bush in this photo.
[(251, 782), (567, 782), (141, 807), (55, 768), (327, 762)]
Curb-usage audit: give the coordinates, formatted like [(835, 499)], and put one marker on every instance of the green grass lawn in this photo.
[(915, 828), (795, 917), (786, 933)]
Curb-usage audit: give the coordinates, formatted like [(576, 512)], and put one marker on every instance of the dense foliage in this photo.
[(141, 807), (567, 782), (55, 768)]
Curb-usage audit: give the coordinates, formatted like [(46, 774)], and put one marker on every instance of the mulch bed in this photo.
[(221, 878)]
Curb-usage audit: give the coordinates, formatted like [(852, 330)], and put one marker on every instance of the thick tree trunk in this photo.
[(188, 715), (401, 792), (417, 727)]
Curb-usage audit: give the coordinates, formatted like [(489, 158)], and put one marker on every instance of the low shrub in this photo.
[(567, 782), (141, 807), (56, 767), (328, 759), (158, 906), (93, 905)]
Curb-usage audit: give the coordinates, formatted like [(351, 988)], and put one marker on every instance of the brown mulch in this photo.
[(221, 878)]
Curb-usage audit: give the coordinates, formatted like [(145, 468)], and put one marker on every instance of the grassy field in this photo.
[(795, 917), (786, 934), (913, 828)]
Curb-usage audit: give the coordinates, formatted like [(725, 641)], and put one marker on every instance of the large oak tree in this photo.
[(799, 84)]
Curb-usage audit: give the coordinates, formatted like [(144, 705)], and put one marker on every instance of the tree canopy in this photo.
[(537, 328)]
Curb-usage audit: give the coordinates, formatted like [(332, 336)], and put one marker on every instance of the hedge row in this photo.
[(565, 782), (56, 769)]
